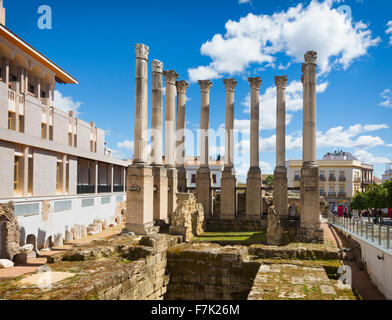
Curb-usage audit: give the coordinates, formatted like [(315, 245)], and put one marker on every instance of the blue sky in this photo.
[(95, 40)]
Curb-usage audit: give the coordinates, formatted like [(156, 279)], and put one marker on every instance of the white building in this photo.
[(388, 173), (53, 166), (341, 175), (192, 165)]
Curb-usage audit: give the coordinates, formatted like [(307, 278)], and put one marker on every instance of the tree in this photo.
[(359, 202), (269, 181), (376, 198), (388, 186)]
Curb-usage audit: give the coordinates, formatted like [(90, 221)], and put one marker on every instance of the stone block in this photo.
[(203, 190), (23, 257), (253, 194), (58, 240), (280, 191), (228, 204), (5, 263), (161, 185)]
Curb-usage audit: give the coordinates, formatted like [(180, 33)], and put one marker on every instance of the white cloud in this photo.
[(294, 102), (258, 38), (386, 96), (126, 144), (389, 31), (367, 157), (65, 103), (243, 1)]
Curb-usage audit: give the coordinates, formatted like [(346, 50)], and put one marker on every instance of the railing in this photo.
[(323, 194), (342, 178), (104, 189), (297, 178), (323, 178), (331, 178), (374, 234), (11, 95), (342, 194), (118, 188), (82, 189), (332, 194)]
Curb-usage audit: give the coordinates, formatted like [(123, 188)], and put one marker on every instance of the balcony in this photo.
[(297, 178), (342, 194), (342, 178), (83, 189), (332, 178), (323, 178), (331, 194), (118, 188), (323, 194), (104, 189)]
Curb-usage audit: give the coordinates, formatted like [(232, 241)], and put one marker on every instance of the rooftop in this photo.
[(339, 155)]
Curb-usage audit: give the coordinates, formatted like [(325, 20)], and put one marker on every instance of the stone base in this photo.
[(140, 198), (253, 194), (277, 234), (142, 229), (160, 193), (310, 236), (182, 185), (310, 197), (228, 205), (280, 191), (203, 189)]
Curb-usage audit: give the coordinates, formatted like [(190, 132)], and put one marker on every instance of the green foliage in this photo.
[(269, 181), (388, 186), (375, 197), (359, 201)]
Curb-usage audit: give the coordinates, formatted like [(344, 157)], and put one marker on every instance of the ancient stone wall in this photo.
[(218, 225), (9, 233), (209, 272)]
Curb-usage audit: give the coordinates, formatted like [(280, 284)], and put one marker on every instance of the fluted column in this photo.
[(141, 96), (157, 112), (228, 181), (180, 134), (280, 174), (170, 113), (310, 197), (203, 178), (253, 184), (140, 190), (158, 170)]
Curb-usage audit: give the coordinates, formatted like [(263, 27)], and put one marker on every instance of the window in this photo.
[(16, 174), (322, 191), (51, 133), (43, 130), (91, 146), (322, 175), (193, 178), (31, 88), (58, 171), (342, 176), (296, 177), (11, 120), (214, 178), (75, 140), (21, 123), (70, 138)]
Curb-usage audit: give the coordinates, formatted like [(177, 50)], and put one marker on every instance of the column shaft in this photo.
[(280, 174), (228, 181), (180, 135)]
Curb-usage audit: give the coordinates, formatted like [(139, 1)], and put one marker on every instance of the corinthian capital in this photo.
[(182, 86), (157, 66), (281, 82), (142, 51), (255, 83), (205, 85), (311, 57), (170, 76), (230, 84)]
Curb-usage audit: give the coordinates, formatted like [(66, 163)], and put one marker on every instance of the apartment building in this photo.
[(192, 165), (49, 159), (341, 175), (388, 173)]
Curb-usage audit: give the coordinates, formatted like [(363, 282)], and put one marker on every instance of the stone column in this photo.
[(180, 135), (254, 180), (140, 190), (280, 174), (5, 70), (159, 171), (228, 181), (310, 230), (170, 110), (203, 177)]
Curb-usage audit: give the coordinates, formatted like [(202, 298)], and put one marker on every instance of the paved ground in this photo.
[(360, 278)]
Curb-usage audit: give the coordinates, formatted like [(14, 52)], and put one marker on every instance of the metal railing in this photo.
[(375, 234)]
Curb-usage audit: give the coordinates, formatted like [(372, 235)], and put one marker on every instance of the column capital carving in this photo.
[(182, 86), (230, 84), (255, 83), (205, 85), (142, 51), (157, 66), (281, 82), (311, 57), (170, 76)]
